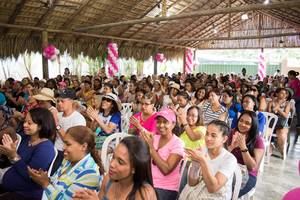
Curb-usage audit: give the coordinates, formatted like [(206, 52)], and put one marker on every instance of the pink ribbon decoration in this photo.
[(50, 52), (188, 61), (160, 57), (112, 57)]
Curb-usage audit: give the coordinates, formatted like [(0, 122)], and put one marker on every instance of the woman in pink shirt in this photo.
[(294, 83), (166, 151), (144, 120)]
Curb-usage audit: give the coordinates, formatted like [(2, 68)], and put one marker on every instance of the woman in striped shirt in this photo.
[(213, 109), (80, 169)]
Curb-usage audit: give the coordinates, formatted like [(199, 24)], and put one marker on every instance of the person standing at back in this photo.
[(67, 118)]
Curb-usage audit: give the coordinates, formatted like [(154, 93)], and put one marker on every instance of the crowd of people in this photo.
[(214, 122)]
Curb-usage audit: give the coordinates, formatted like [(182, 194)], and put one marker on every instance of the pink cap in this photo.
[(168, 114)]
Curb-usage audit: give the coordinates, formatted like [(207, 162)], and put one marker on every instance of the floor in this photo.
[(279, 175)]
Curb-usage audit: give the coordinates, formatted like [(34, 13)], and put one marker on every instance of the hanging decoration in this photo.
[(188, 61), (160, 57), (262, 65), (51, 52), (112, 59)]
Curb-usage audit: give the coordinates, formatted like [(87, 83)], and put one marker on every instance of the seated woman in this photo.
[(46, 100), (249, 103), (170, 97), (107, 120), (81, 167), (194, 129), (256, 91), (200, 97), (281, 107), (211, 173), (8, 125), (144, 120), (248, 147), (36, 151), (213, 109), (233, 108), (129, 174), (166, 151)]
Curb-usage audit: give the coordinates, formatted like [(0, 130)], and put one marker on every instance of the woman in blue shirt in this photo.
[(233, 108), (36, 150), (250, 103), (107, 120)]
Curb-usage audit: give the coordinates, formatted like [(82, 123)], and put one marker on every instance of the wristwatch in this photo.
[(244, 150), (58, 127)]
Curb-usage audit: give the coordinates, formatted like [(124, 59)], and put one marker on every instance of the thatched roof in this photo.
[(84, 25)]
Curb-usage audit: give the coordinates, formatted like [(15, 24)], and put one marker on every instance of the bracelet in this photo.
[(244, 150)]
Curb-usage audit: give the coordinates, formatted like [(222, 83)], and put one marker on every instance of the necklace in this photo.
[(36, 142), (118, 193)]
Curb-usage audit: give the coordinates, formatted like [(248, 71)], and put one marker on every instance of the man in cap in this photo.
[(67, 118)]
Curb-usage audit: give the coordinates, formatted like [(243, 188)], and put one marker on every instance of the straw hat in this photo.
[(114, 98), (46, 94), (175, 85)]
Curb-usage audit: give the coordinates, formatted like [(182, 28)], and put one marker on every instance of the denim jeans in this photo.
[(166, 194), (249, 185)]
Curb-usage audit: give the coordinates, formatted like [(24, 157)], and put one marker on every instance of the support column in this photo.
[(45, 60), (155, 61)]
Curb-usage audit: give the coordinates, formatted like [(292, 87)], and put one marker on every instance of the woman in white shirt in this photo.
[(211, 173)]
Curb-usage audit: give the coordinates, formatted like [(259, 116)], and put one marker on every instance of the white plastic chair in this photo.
[(114, 138), (53, 161), (44, 197), (19, 138), (126, 113), (126, 107), (183, 164), (237, 183), (271, 121)]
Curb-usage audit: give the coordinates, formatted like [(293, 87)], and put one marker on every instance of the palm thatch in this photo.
[(144, 27)]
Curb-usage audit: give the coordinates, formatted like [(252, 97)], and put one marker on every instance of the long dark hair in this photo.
[(139, 156), (45, 121), (253, 132), (200, 121), (198, 90), (83, 134)]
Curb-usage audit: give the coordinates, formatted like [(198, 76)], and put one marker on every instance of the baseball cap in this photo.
[(168, 114), (67, 94)]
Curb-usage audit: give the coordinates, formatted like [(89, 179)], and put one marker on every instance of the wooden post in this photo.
[(155, 64), (45, 60)]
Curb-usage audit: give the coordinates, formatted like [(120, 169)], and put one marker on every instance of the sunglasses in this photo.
[(254, 89), (106, 99)]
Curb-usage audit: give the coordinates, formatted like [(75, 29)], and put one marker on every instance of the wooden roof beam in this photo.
[(234, 38), (251, 7), (59, 31), (14, 15)]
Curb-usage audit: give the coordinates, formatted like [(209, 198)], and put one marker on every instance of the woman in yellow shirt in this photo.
[(194, 130)]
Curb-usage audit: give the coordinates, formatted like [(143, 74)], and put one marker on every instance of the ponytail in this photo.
[(97, 159)]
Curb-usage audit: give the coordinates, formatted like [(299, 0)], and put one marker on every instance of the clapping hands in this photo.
[(9, 147)]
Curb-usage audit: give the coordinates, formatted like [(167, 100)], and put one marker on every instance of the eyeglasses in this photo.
[(253, 89), (146, 104)]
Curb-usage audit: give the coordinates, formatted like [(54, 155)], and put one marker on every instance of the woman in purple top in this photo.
[(247, 146)]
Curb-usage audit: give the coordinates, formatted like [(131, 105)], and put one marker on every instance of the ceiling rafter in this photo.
[(159, 25), (14, 15)]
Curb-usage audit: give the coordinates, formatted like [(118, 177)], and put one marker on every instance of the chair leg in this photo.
[(297, 134)]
